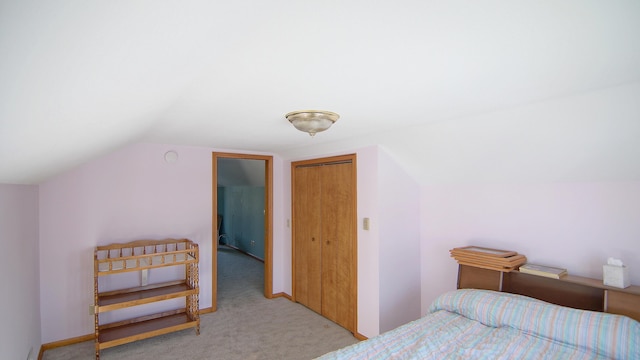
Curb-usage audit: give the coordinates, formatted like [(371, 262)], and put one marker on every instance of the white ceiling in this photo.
[(79, 79)]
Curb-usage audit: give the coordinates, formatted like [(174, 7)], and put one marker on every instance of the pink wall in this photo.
[(19, 263), (400, 263), (133, 193), (368, 243), (389, 252), (572, 225), (368, 240), (130, 194), (127, 195)]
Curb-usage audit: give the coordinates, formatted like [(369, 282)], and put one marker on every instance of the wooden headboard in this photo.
[(571, 291)]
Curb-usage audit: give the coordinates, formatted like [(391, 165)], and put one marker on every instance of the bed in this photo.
[(512, 315), (485, 324)]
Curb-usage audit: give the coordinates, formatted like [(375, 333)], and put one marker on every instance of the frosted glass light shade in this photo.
[(312, 121)]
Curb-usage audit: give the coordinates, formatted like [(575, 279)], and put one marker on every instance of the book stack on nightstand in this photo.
[(542, 270), (486, 258)]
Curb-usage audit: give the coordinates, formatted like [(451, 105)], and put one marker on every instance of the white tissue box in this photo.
[(616, 276)]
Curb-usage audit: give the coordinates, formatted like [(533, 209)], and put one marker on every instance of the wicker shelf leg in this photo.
[(96, 319)]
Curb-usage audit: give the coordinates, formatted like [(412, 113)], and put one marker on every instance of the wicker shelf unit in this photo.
[(139, 256)]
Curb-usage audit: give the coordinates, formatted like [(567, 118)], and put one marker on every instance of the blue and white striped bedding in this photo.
[(481, 324)]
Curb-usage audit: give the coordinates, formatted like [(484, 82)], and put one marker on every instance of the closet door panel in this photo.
[(307, 237), (337, 246)]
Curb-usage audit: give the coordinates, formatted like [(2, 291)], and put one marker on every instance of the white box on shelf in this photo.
[(616, 276)]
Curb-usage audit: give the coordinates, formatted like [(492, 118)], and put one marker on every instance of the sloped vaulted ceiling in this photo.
[(82, 78)]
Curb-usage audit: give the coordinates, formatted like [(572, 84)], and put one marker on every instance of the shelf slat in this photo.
[(119, 335), (143, 295)]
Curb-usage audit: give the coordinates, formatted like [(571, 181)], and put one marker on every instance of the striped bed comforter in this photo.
[(481, 324)]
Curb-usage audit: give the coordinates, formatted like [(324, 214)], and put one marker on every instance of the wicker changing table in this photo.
[(142, 255)]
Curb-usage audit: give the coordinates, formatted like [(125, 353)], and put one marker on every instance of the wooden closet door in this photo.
[(337, 224), (306, 218)]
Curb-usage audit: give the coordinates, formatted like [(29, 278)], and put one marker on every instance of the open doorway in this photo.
[(219, 160)]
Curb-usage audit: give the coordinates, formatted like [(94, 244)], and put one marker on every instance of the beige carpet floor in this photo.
[(246, 326)]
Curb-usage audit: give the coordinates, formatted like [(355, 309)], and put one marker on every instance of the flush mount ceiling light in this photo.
[(312, 121)]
